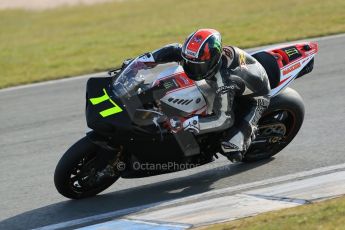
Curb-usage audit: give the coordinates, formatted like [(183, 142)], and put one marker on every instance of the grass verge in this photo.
[(326, 215), (36, 46)]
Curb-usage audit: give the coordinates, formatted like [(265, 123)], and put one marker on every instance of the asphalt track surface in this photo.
[(38, 123)]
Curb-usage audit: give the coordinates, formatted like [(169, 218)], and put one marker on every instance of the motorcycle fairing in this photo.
[(185, 99), (292, 61), (120, 128), (103, 98), (104, 112), (178, 94)]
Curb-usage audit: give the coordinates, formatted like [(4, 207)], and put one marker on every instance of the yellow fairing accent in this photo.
[(105, 97)]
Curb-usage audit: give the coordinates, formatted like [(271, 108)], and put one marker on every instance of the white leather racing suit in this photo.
[(240, 76)]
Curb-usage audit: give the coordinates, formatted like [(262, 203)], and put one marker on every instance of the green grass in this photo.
[(36, 46), (327, 215)]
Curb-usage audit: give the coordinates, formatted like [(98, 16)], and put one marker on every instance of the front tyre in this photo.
[(76, 173), (278, 126)]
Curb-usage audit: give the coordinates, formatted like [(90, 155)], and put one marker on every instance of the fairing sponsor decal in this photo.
[(292, 52), (291, 68)]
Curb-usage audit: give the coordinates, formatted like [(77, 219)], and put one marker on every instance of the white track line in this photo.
[(49, 82), (123, 212), (103, 73)]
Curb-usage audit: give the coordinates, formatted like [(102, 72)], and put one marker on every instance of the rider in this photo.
[(230, 73)]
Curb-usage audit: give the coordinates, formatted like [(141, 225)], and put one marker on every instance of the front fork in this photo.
[(113, 155)]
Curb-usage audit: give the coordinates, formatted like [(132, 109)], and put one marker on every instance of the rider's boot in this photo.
[(238, 142), (235, 147)]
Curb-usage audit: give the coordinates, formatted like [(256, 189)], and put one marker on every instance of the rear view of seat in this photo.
[(271, 66)]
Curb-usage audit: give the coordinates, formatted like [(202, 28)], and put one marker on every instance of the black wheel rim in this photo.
[(280, 117), (83, 175)]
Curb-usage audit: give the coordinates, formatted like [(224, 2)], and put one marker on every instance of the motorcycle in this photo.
[(127, 113)]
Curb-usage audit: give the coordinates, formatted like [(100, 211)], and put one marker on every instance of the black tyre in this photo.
[(284, 117), (75, 174)]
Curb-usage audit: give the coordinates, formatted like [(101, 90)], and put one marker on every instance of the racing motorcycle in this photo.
[(127, 113)]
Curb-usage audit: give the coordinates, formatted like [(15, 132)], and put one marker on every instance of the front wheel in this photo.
[(278, 126), (77, 173)]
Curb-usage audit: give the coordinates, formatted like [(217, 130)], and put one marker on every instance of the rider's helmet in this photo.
[(201, 54)]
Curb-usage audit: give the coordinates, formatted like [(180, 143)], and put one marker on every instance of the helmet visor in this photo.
[(195, 70)]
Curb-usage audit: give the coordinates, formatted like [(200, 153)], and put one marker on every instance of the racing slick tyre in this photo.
[(278, 126), (76, 173)]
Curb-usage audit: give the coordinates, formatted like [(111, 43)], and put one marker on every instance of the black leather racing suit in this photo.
[(240, 76)]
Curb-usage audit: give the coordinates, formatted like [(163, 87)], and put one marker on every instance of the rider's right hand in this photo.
[(175, 124)]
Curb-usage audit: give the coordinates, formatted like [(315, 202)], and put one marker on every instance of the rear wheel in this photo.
[(278, 126), (77, 174)]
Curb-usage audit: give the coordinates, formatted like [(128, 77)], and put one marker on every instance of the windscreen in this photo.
[(137, 77)]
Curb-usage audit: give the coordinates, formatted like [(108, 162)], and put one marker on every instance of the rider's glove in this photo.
[(145, 58), (126, 63), (192, 125), (148, 59), (176, 124)]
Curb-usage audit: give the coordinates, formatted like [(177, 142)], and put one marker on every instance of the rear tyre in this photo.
[(76, 173), (282, 121)]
